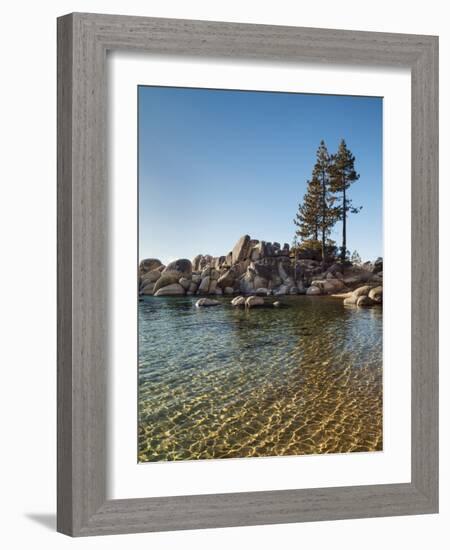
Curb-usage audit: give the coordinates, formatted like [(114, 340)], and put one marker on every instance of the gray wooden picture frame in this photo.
[(83, 41)]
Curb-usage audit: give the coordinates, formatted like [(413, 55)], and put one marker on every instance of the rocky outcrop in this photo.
[(241, 249), (204, 285), (180, 268), (328, 286), (262, 292), (281, 290), (362, 291), (185, 282), (261, 268), (150, 276), (166, 279), (212, 286), (364, 296), (227, 278), (376, 294), (148, 265), (148, 289), (373, 267), (200, 262)]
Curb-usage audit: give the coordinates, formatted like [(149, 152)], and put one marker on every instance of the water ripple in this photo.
[(224, 382)]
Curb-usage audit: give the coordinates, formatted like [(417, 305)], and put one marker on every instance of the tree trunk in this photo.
[(323, 216), (295, 265), (344, 228)]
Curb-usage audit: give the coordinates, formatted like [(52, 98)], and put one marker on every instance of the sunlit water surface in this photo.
[(223, 382)]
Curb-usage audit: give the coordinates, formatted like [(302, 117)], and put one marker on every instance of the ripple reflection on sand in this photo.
[(223, 383)]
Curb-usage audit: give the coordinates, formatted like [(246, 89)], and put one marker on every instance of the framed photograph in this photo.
[(247, 274)]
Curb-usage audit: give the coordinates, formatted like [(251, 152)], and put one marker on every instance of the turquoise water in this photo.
[(222, 382)]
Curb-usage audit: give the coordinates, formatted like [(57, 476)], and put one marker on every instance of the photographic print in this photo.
[(260, 277)]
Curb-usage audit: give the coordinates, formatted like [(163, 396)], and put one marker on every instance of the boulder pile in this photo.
[(257, 268), (364, 296)]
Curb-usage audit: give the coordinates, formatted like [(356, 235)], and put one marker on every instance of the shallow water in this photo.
[(222, 382)]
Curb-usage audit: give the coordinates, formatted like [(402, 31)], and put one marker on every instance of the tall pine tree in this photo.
[(307, 218), (342, 175), (321, 172), (316, 214)]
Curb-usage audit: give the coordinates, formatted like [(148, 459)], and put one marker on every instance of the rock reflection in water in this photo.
[(223, 382)]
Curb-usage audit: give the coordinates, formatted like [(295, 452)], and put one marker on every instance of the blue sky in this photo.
[(217, 164)]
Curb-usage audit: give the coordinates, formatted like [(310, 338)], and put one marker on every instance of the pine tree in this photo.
[(316, 214), (321, 172), (307, 218), (342, 174)]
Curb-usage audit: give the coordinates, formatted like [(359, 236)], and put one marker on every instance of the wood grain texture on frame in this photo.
[(83, 315)]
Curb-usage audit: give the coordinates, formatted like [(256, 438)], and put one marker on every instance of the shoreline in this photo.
[(262, 269)]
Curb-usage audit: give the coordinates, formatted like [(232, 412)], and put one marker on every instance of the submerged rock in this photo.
[(364, 301), (313, 291), (171, 290), (253, 301), (364, 296), (206, 302), (238, 301)]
